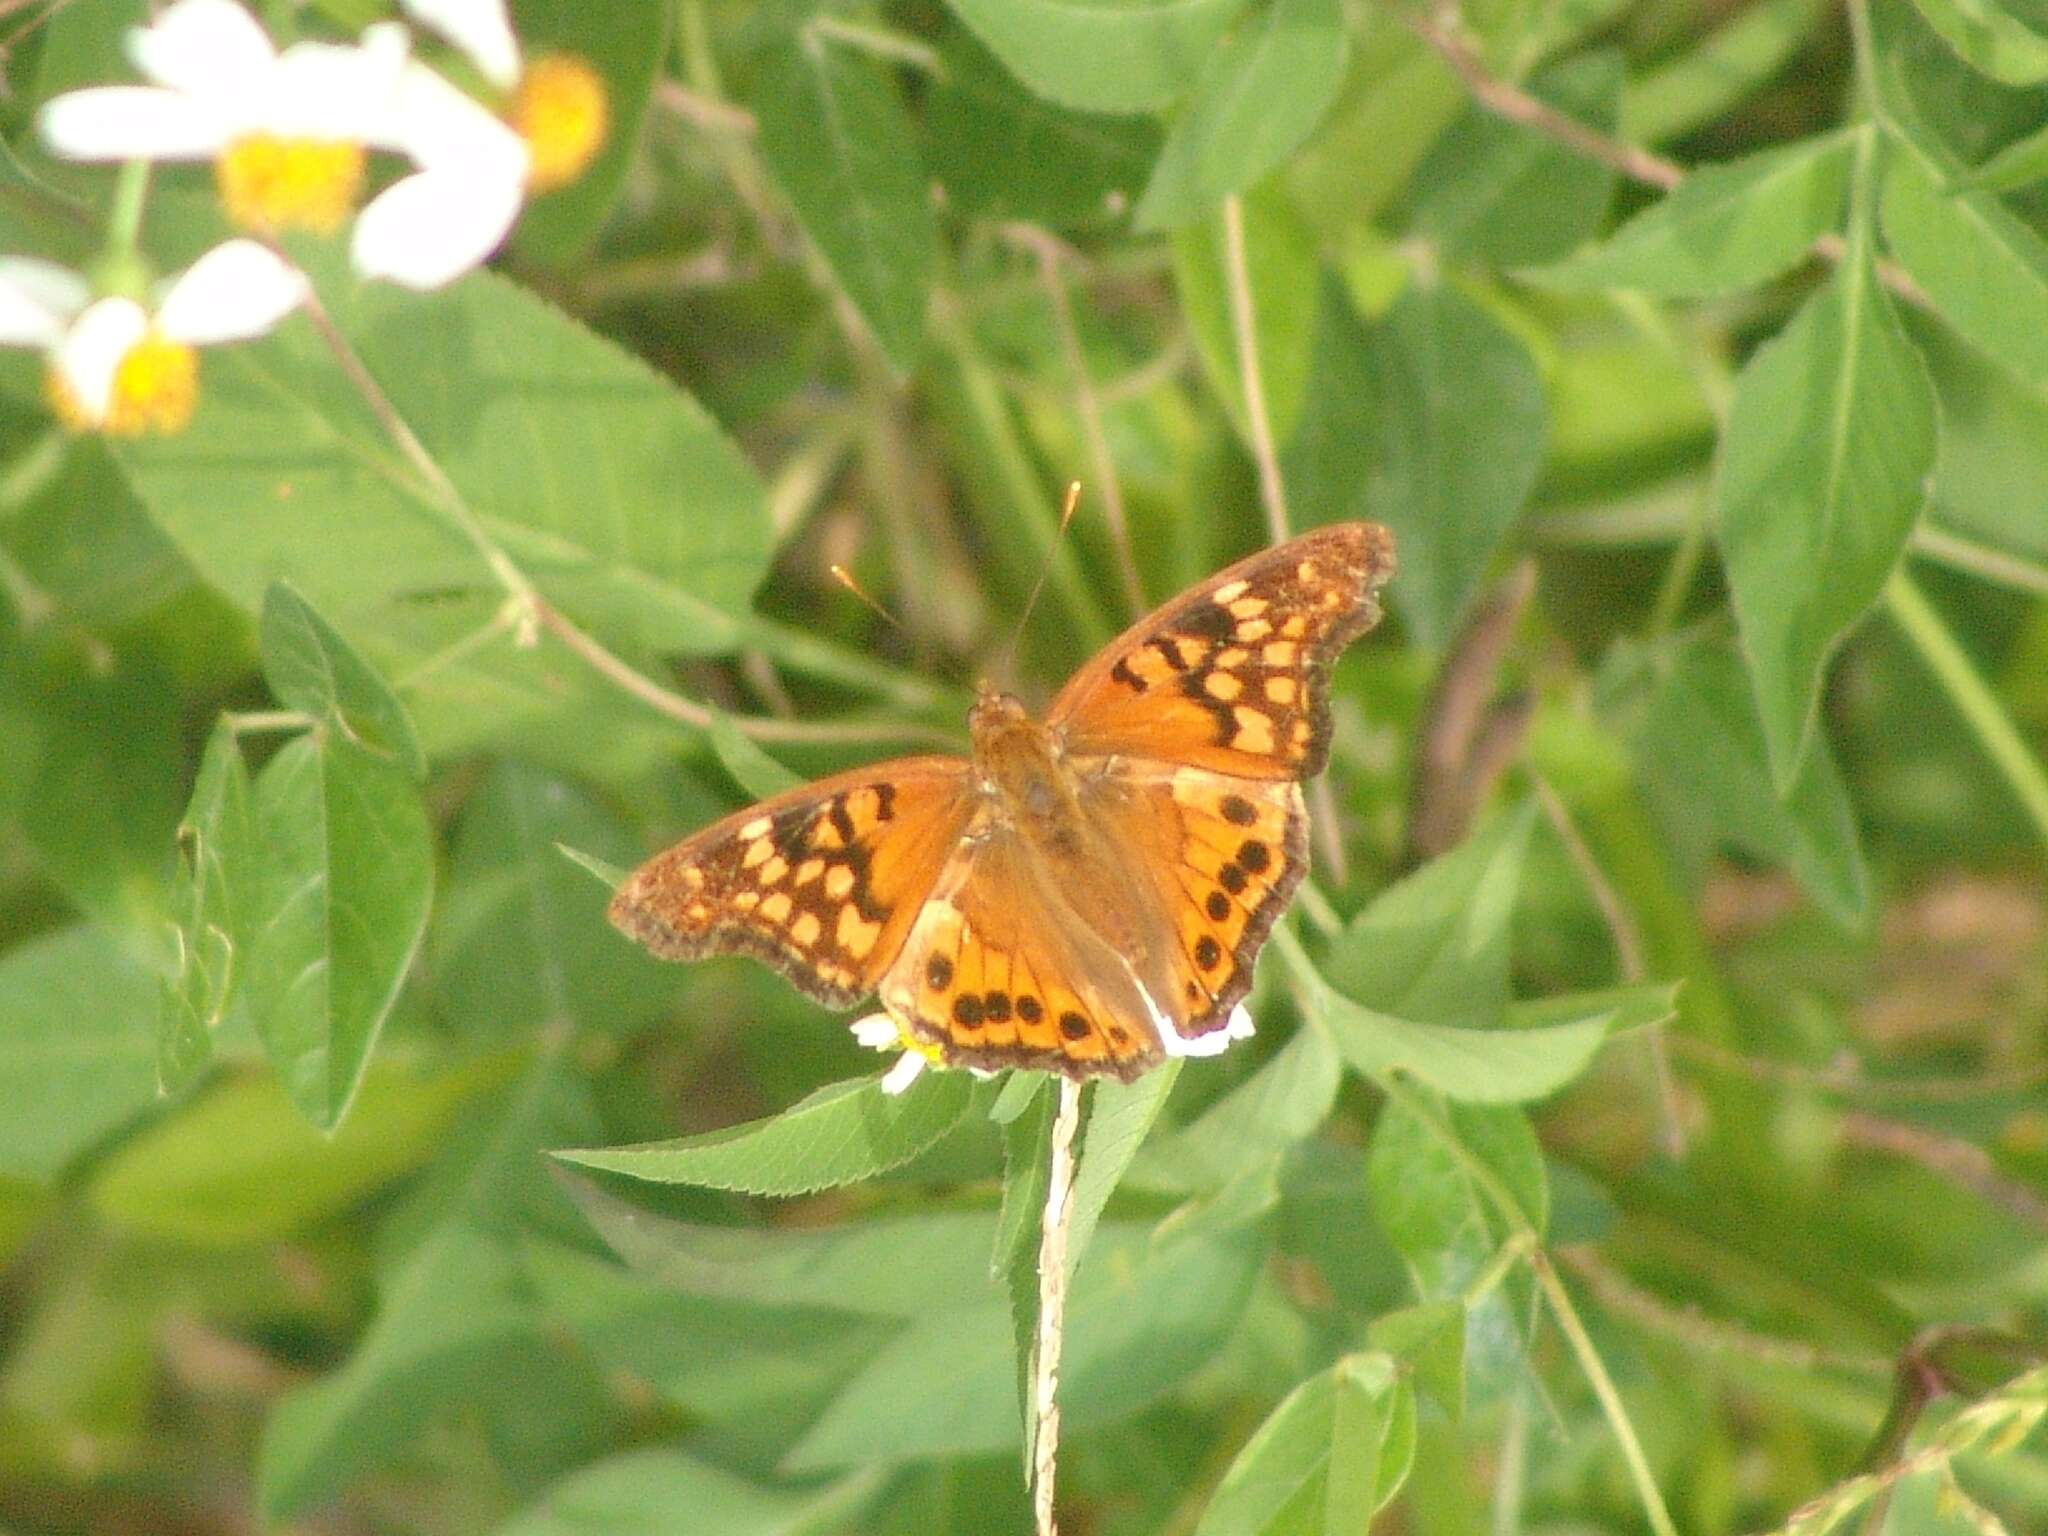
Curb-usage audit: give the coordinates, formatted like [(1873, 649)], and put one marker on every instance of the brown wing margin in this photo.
[(821, 883)]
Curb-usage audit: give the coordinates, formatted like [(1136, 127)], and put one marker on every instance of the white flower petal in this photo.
[(1240, 1026), (429, 229), (92, 350), (208, 48), (480, 28), (236, 290), (909, 1067), (131, 122), (333, 91), (876, 1031), (38, 300), (438, 125)]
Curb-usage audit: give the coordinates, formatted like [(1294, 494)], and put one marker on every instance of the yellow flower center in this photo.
[(270, 184), (156, 384), (559, 108)]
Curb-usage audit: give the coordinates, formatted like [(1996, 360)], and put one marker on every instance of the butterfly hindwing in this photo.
[(822, 883), (993, 977), (1232, 676)]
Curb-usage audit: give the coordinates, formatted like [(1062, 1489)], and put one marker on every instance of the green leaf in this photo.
[(77, 1054), (520, 941), (1285, 1459), (1618, 1009), (1702, 746), (1120, 1116), (1477, 1066), (1983, 268), (1434, 945), (1003, 153), (1139, 1321), (1823, 472), (1423, 1192), (1989, 38), (842, 1134), (102, 805), (624, 42), (1261, 94), (1498, 191), (1430, 1338), (1737, 58), (240, 1165), (655, 1492), (456, 1324), (311, 668), (840, 144), (1725, 229), (1102, 58), (1367, 1412), (1457, 440), (211, 896), (635, 514), (1280, 269), (755, 772), (342, 892), (1277, 1106), (2019, 164)]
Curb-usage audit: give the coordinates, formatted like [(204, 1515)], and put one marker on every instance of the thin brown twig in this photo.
[(1628, 955), (1507, 100), (1962, 1163), (1621, 1295), (1050, 254), (1845, 1082), (706, 112), (1052, 1306)]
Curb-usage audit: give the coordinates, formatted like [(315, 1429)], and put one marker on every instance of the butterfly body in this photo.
[(1084, 893)]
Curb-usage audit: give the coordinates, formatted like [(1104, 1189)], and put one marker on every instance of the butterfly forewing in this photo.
[(1232, 676), (822, 883)]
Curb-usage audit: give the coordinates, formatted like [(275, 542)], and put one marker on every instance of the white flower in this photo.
[(476, 167), (287, 132), (119, 366), (880, 1032)]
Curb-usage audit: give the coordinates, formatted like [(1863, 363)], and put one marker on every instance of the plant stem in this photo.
[(1972, 696), (124, 218), (1244, 327), (1052, 1305)]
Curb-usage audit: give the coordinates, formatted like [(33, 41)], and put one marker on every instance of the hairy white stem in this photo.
[(1052, 1305)]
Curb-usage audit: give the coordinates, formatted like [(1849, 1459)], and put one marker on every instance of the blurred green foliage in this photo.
[(1646, 1126)]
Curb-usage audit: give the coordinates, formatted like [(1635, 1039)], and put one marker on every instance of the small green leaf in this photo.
[(1003, 153), (1823, 472), (1260, 95), (657, 1492), (1284, 1101), (1280, 269), (1618, 1009), (1716, 73), (1287, 1458), (1983, 268), (76, 1052), (343, 884), (1102, 58), (842, 1134), (1702, 748), (1477, 1066), (1989, 38), (837, 139), (1726, 228), (1425, 1196), (1120, 1116), (1365, 1400), (1434, 945), (211, 896), (1430, 1338), (1502, 192), (755, 772), (314, 670), (2019, 164), (1457, 440)]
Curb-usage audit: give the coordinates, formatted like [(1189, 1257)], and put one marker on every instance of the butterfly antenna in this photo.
[(844, 577), (1067, 509)]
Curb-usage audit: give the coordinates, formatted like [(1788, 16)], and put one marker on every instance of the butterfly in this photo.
[(1085, 893)]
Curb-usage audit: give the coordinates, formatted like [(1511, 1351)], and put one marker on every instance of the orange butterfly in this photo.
[(1085, 894)]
